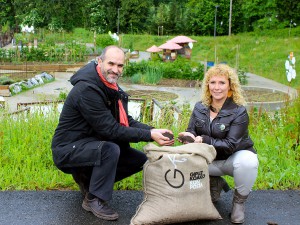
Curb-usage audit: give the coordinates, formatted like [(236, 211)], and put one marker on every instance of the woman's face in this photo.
[(218, 87)]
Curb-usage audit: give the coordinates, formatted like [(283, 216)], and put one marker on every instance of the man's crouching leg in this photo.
[(82, 176), (102, 182)]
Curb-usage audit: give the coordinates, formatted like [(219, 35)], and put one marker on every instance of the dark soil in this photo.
[(179, 83), (149, 94), (265, 96)]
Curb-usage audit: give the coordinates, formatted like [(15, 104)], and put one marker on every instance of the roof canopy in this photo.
[(170, 45), (182, 39), (154, 48)]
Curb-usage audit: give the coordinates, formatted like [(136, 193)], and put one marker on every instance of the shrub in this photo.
[(133, 68), (179, 69), (104, 40), (4, 80)]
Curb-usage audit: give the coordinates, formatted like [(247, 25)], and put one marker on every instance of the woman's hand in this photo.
[(186, 137), (198, 139)]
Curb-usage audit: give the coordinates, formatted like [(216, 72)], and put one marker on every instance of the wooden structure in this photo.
[(169, 50), (154, 50), (4, 91), (186, 43)]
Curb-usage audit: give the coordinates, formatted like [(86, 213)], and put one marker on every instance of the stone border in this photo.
[(272, 105)]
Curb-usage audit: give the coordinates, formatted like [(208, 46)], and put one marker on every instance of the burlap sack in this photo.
[(176, 185)]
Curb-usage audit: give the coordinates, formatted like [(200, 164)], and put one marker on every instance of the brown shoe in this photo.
[(99, 208), (238, 208), (217, 184)]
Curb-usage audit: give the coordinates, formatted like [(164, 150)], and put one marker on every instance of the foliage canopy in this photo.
[(191, 17)]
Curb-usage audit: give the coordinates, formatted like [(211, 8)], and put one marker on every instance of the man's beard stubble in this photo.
[(111, 80)]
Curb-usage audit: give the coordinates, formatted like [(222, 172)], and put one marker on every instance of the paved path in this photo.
[(49, 91), (64, 208), (258, 81)]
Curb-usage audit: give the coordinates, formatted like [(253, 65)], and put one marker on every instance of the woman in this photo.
[(220, 119)]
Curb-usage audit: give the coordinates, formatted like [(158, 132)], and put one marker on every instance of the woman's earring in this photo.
[(229, 93)]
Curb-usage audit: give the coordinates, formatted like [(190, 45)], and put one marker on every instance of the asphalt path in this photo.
[(64, 208)]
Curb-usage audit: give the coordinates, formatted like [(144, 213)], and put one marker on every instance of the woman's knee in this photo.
[(246, 159)]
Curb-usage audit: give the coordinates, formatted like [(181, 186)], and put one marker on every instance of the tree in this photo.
[(259, 14), (97, 17), (200, 17), (288, 11), (176, 19), (237, 24), (134, 14), (102, 15), (7, 14), (58, 14), (162, 17)]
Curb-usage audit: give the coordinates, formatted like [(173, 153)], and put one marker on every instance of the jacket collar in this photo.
[(229, 106)]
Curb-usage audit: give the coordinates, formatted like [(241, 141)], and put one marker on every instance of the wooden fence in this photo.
[(28, 70)]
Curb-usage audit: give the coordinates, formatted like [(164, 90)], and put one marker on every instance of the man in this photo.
[(91, 141)]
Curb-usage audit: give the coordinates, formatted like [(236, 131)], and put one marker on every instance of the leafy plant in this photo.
[(180, 69), (136, 78), (62, 95), (104, 40), (153, 75), (242, 77), (5, 80)]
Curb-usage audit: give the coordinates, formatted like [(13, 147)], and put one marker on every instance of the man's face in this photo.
[(112, 65)]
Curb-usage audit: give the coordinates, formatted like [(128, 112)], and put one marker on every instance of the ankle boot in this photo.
[(217, 184), (238, 208)]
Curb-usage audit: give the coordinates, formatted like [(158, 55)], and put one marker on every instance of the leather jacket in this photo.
[(227, 132)]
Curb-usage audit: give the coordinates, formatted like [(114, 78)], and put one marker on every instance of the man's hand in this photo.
[(161, 138)]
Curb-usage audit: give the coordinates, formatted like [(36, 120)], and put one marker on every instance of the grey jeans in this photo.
[(242, 166)]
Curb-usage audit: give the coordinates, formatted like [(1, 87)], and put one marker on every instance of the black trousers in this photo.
[(116, 164)]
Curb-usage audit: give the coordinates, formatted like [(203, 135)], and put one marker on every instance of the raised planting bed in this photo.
[(4, 91)]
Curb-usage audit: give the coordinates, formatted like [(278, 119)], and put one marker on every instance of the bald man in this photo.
[(92, 139)]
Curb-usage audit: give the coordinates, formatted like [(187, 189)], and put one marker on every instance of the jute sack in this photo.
[(176, 185)]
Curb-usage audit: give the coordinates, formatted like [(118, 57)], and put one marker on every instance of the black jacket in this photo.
[(90, 115), (227, 132)]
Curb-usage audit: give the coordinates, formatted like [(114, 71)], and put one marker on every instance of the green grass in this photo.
[(26, 157)]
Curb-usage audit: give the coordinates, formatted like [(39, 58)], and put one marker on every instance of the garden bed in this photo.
[(45, 67), (4, 91), (251, 94)]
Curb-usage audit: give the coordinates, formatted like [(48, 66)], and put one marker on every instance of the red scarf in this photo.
[(122, 113)]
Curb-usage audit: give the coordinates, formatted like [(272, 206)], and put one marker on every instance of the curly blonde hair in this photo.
[(231, 75)]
